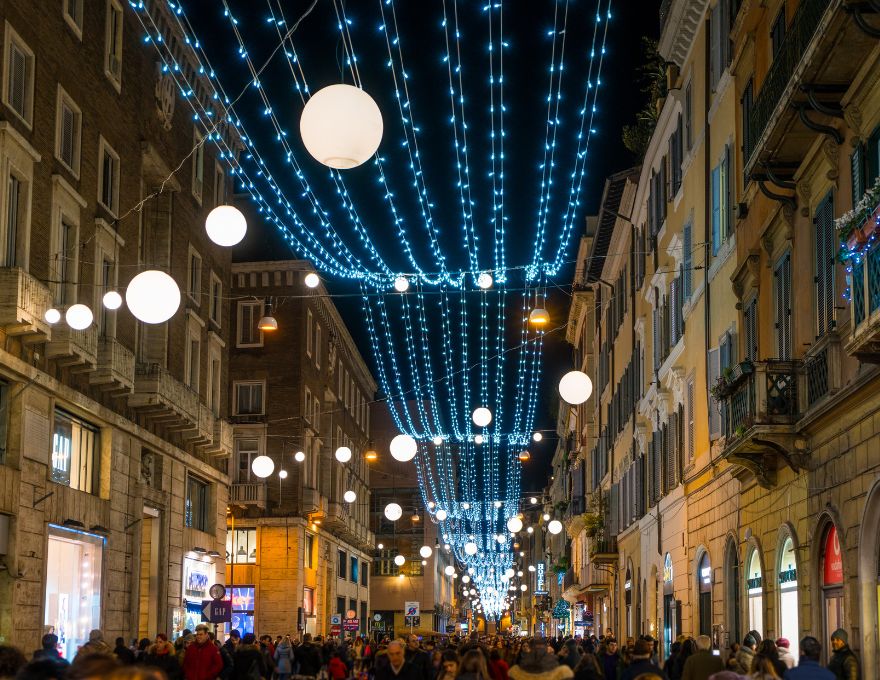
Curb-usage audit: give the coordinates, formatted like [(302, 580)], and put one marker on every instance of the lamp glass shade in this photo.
[(484, 280), (575, 387), (349, 496), (262, 466), (514, 524), (539, 317), (268, 323), (52, 315), (393, 512), (479, 439), (299, 456), (225, 225), (152, 296), (554, 527), (312, 280), (112, 300), (399, 560), (481, 416), (79, 317), (441, 515), (343, 454), (341, 126), (425, 551), (470, 548), (403, 448), (283, 474)]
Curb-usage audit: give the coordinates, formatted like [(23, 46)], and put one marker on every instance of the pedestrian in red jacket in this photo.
[(337, 668), (202, 660)]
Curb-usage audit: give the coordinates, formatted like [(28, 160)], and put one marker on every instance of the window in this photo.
[(249, 398), (750, 321), (782, 307), (219, 185), (777, 32), (108, 177), (18, 77), (719, 36), (691, 431), (249, 314), (193, 356), (826, 245), (196, 510), (246, 449), (310, 323), (365, 568), (308, 416), (216, 307), (65, 256), (747, 104), (343, 564), (198, 165), (194, 277), (241, 546), (676, 156), (113, 43), (213, 382), (755, 591), (340, 606), (68, 128), (721, 202), (309, 601), (714, 406), (318, 345), (310, 551), (353, 571), (4, 419), (688, 117), (73, 15), (14, 226), (75, 451)]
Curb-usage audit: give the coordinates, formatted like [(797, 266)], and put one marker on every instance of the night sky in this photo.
[(528, 25)]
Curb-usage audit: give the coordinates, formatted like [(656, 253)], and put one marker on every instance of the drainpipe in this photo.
[(707, 217)]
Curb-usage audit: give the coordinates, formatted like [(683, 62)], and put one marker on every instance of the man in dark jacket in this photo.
[(844, 663), (398, 667), (641, 662), (50, 652), (418, 658), (247, 662), (308, 656), (808, 667), (610, 659), (123, 653), (702, 663)]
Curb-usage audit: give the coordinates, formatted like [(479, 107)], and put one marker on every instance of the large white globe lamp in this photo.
[(349, 496), (482, 416), (112, 300), (441, 515), (514, 524), (343, 454), (401, 284), (554, 527), (425, 551), (52, 315), (299, 456), (225, 225), (393, 512), (79, 317), (399, 560), (403, 448), (470, 548), (262, 466), (152, 296), (449, 571), (484, 280), (575, 387), (341, 126), (312, 280)]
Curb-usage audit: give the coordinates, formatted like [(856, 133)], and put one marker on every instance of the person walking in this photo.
[(161, 655), (95, 645), (397, 668), (284, 658), (642, 663), (248, 662), (702, 663), (808, 667), (745, 655), (418, 658), (201, 660), (308, 656), (844, 663), (49, 651), (785, 655), (123, 653), (610, 659)]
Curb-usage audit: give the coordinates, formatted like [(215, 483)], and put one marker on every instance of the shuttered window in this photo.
[(18, 89), (670, 448), (657, 480), (747, 103), (674, 313), (714, 411), (782, 306), (716, 209), (857, 168), (750, 321), (825, 251), (615, 509), (687, 261), (873, 161), (67, 132), (691, 434)]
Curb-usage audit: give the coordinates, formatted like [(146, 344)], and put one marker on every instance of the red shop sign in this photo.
[(832, 572)]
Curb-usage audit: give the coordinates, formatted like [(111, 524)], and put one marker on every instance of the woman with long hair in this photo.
[(473, 666)]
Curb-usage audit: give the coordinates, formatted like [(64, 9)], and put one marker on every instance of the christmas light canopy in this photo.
[(575, 387), (152, 296), (341, 126), (225, 225)]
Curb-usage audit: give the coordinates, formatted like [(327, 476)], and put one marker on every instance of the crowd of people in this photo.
[(199, 656)]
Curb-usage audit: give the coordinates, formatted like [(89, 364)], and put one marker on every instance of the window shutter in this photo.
[(68, 132), (714, 411), (716, 209), (658, 466), (873, 151), (674, 312), (857, 167), (715, 40), (782, 298), (690, 421), (727, 195), (18, 80), (825, 248), (669, 453), (687, 260), (615, 509), (751, 325)]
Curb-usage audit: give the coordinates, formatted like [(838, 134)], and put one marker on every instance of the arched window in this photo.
[(671, 613), (831, 572), (755, 589), (704, 581), (788, 595), (628, 600), (732, 591)]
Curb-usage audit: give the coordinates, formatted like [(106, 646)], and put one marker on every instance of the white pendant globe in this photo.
[(312, 280), (484, 280), (537, 437), (403, 448), (509, 572), (554, 527), (343, 454), (481, 416), (425, 551), (299, 456), (479, 439), (501, 538), (449, 571), (531, 567), (112, 300), (441, 515), (52, 315), (79, 317), (470, 548), (466, 579), (399, 560), (349, 496), (575, 387), (283, 474), (524, 587), (262, 466), (341, 126), (393, 512), (438, 441), (514, 524), (225, 225), (401, 284), (152, 296)]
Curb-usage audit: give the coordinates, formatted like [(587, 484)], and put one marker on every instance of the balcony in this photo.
[(603, 551), (248, 495), (571, 586), (76, 350), (115, 369), (822, 377), (312, 501), (221, 439), (163, 399), (864, 343), (760, 407), (799, 96), (23, 302)]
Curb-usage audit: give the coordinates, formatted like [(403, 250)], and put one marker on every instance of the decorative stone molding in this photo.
[(831, 152), (852, 114)]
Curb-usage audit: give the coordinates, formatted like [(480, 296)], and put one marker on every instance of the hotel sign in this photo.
[(540, 585)]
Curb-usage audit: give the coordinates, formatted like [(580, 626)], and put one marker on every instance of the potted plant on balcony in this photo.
[(561, 565), (593, 523), (860, 225)]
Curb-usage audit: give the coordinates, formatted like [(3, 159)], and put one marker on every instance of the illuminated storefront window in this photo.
[(788, 595), (241, 546), (243, 609), (74, 452), (198, 576), (755, 588), (73, 586)]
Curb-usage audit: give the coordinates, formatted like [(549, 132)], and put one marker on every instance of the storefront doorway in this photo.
[(74, 561), (832, 581), (788, 595), (670, 630), (755, 589), (704, 575), (148, 610)]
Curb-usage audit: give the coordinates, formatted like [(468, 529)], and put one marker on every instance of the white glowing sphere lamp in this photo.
[(575, 387), (441, 515), (262, 466), (514, 524), (299, 456), (343, 454), (312, 280), (112, 300), (425, 551), (537, 436), (449, 571), (399, 560), (341, 126), (401, 284), (349, 496), (225, 225), (470, 548), (79, 317), (403, 448), (52, 315), (152, 296), (554, 527), (484, 280), (393, 512), (482, 416)]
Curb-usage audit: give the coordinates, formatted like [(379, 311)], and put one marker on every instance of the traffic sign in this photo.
[(335, 619), (351, 624), (335, 630), (377, 617), (411, 608), (216, 611), (413, 621), (217, 591), (351, 614)]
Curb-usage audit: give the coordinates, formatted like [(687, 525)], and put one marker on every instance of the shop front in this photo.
[(831, 569), (74, 562), (788, 595), (755, 589), (198, 576)]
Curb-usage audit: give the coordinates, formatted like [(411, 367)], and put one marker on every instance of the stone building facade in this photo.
[(113, 439), (300, 553)]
